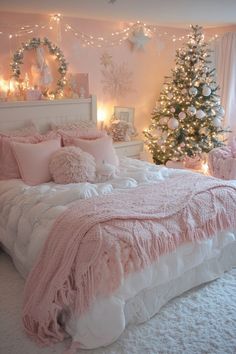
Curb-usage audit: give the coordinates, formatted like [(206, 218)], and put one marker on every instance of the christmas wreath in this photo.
[(34, 43)]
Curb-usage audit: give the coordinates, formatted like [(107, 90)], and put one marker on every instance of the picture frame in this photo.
[(125, 114)]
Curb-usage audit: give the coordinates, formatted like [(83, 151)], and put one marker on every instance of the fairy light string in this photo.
[(113, 38)]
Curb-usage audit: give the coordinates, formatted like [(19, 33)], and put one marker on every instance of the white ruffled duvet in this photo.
[(26, 217)]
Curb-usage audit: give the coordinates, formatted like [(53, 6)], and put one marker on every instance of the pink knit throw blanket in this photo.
[(97, 242)]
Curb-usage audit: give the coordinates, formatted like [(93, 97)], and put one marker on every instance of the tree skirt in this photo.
[(202, 320)]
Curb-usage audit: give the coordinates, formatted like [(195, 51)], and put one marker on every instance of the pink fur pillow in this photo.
[(33, 160), (72, 165), (102, 149)]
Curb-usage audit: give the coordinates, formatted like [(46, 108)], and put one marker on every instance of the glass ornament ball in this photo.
[(217, 122), (163, 120), (221, 111), (173, 123), (206, 91), (193, 91), (182, 115), (172, 110), (200, 114), (184, 91), (191, 111)]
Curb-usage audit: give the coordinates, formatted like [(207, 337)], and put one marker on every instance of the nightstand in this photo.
[(132, 149)]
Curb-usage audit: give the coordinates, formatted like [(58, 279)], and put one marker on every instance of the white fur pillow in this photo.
[(72, 165)]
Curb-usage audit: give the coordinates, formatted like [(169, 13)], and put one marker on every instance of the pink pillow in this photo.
[(89, 134), (72, 165), (102, 149), (33, 160), (29, 130), (8, 165)]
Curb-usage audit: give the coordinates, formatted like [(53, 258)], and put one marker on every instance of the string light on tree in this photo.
[(189, 110)]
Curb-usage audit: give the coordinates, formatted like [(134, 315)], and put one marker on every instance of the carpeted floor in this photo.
[(201, 321)]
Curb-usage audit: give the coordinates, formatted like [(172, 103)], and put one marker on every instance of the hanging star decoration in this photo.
[(106, 59), (139, 38)]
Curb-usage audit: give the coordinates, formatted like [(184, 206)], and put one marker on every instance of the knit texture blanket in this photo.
[(98, 241)]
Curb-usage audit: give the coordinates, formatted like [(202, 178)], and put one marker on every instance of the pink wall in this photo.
[(147, 67)]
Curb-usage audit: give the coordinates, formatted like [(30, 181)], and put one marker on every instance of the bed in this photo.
[(28, 214)]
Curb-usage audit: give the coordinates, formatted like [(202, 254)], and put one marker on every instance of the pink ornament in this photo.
[(182, 115), (173, 123)]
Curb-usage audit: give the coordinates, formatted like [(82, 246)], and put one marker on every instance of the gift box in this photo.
[(33, 94), (222, 162)]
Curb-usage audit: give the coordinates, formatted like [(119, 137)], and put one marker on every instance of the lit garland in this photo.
[(34, 43), (114, 38)]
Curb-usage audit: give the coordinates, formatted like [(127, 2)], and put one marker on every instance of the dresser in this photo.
[(133, 149)]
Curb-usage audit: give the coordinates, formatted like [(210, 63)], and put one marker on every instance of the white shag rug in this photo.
[(201, 321)]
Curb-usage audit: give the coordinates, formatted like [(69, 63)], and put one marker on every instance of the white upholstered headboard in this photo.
[(14, 115)]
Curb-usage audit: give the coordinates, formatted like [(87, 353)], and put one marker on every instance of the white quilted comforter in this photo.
[(27, 214)]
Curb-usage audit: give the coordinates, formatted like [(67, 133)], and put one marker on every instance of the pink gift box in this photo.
[(222, 162), (33, 95)]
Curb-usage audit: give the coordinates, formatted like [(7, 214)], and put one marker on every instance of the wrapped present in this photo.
[(222, 161), (33, 94)]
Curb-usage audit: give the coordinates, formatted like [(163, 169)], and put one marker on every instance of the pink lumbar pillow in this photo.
[(33, 160), (89, 134), (72, 165), (102, 149)]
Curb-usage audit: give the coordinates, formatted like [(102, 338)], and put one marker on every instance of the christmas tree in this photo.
[(187, 120)]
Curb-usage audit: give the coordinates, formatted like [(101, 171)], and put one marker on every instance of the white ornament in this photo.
[(217, 122), (206, 91), (182, 115), (170, 95), (173, 123), (213, 86), (221, 111), (172, 110), (193, 91), (200, 114), (184, 91), (191, 110)]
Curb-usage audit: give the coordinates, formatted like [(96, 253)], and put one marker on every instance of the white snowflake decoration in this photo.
[(117, 80), (106, 59)]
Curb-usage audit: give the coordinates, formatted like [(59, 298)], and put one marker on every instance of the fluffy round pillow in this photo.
[(72, 165)]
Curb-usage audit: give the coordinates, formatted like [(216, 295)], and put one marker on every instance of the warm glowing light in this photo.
[(101, 116), (11, 85), (205, 168), (4, 86)]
